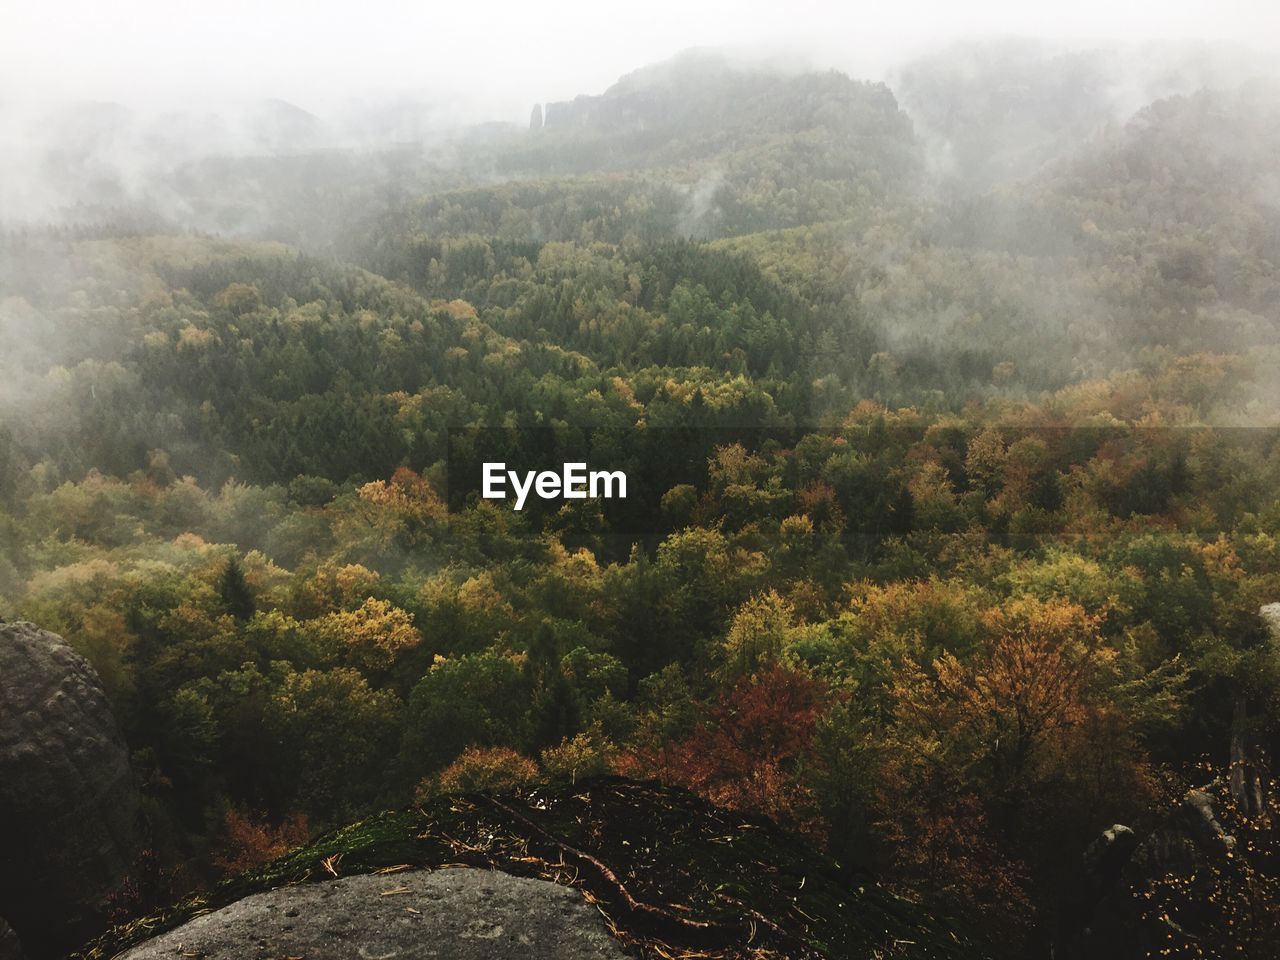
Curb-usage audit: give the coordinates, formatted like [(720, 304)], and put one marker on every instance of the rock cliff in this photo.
[(68, 803)]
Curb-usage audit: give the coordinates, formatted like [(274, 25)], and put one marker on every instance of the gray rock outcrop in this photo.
[(1101, 920), (1105, 860), (68, 803), (1094, 903), (459, 914), (1191, 839)]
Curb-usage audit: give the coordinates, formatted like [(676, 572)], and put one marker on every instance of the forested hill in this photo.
[(695, 147), (700, 108), (843, 273)]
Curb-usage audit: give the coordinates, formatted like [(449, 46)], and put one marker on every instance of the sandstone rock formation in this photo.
[(460, 914), (1102, 919), (68, 803), (1097, 903)]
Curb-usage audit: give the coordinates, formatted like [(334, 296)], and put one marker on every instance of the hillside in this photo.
[(952, 499)]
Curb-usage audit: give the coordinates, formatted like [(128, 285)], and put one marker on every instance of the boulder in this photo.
[(460, 914), (1103, 919), (68, 802), (1097, 910), (1202, 824), (1188, 841), (1105, 859)]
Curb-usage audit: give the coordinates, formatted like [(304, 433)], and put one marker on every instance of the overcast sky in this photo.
[(504, 56)]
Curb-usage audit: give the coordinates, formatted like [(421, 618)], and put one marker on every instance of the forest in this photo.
[(960, 511)]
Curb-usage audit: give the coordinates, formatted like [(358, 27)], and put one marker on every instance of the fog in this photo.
[(100, 104), (492, 59), (306, 123)]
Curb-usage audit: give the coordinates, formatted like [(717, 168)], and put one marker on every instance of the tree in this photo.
[(372, 636), (337, 736), (981, 752), (476, 700), (481, 769), (757, 639), (237, 598), (748, 749)]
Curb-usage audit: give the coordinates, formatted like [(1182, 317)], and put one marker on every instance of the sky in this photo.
[(497, 58)]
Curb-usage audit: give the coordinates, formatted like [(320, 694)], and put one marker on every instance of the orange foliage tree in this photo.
[(749, 749), (981, 750), (249, 841)]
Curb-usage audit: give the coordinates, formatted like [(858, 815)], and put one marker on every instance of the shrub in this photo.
[(481, 769)]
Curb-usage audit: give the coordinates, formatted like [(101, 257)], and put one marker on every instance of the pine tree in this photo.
[(234, 591)]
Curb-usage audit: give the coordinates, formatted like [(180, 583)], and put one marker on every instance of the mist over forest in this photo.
[(956, 394)]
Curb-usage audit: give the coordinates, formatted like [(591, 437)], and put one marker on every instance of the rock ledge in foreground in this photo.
[(460, 914)]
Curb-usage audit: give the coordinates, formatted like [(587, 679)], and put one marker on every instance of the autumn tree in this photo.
[(982, 750), (372, 636), (749, 748)]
